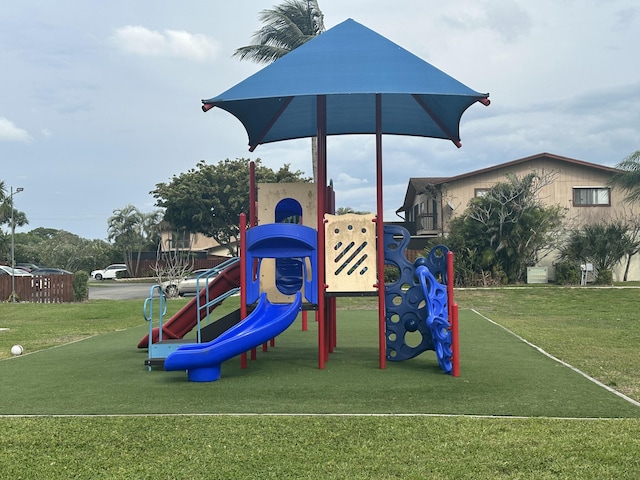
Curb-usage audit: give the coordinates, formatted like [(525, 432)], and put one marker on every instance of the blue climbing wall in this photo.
[(416, 304)]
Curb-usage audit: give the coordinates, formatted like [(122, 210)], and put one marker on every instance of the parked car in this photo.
[(187, 285), (50, 271), (28, 267), (17, 272), (110, 272)]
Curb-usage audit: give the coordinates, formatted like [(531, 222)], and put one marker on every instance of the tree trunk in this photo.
[(314, 158), (626, 268)]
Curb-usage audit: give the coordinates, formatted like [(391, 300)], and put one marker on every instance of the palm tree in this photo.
[(132, 230), (124, 231), (7, 213), (629, 177), (285, 28)]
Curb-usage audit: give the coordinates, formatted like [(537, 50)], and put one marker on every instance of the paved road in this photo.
[(112, 290)]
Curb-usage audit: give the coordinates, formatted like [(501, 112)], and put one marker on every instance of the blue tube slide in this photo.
[(203, 361)]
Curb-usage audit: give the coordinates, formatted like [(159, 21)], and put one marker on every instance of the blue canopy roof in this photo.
[(350, 64)]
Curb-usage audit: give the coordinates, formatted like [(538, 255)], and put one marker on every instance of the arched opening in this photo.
[(289, 271)]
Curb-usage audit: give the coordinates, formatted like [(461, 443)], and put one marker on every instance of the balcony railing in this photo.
[(426, 223)]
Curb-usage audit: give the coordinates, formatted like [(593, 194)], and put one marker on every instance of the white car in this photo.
[(110, 272), (4, 270), (187, 285)]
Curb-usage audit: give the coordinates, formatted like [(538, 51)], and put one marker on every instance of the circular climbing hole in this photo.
[(413, 339), (391, 273)]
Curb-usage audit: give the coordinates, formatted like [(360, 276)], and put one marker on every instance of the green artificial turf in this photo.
[(500, 376), (594, 329)]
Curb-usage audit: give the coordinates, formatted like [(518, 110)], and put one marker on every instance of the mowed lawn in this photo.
[(513, 413)]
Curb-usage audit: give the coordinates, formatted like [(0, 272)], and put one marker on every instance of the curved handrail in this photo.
[(212, 272), (147, 309)]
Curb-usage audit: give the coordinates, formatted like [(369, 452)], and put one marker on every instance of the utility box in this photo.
[(537, 275)]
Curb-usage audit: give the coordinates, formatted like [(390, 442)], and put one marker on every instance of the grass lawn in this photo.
[(525, 415)]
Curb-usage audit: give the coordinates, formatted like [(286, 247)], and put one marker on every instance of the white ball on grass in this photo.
[(17, 350)]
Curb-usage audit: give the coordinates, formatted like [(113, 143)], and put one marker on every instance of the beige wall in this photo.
[(560, 191), (270, 194), (198, 243)]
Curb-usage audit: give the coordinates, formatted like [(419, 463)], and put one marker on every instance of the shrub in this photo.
[(568, 273), (601, 244), (80, 286), (502, 232), (605, 277), (391, 274)]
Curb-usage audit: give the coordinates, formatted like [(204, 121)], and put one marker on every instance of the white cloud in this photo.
[(139, 40), (346, 180), (10, 133), (561, 76), (507, 20)]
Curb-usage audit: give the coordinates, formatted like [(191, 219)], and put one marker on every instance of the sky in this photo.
[(100, 101)]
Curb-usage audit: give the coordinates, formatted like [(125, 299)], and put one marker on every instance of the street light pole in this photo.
[(13, 246)]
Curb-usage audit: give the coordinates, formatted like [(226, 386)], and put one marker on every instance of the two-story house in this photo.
[(581, 188)]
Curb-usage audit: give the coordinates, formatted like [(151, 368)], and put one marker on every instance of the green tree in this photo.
[(61, 249), (634, 243), (7, 214), (209, 198), (132, 231), (6, 208), (285, 27), (505, 230), (629, 176), (602, 244), (345, 210)]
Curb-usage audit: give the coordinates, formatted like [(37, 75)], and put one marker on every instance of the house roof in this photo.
[(418, 184)]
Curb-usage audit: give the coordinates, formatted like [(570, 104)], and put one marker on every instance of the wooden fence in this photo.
[(145, 269), (59, 288), (51, 289)]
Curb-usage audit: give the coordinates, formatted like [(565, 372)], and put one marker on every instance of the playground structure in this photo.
[(278, 276), (331, 85)]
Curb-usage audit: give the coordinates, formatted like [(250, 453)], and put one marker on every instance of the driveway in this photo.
[(112, 290)]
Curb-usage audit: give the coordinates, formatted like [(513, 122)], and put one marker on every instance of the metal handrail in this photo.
[(212, 272), (147, 311)]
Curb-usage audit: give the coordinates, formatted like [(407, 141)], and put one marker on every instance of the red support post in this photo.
[(452, 310), (321, 112), (243, 278), (454, 342), (380, 234)]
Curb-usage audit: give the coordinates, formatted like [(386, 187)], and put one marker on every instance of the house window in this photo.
[(591, 196), (480, 192), (181, 244)]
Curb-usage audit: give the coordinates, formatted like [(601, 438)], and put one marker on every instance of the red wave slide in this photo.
[(187, 317)]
